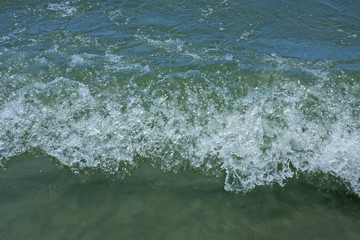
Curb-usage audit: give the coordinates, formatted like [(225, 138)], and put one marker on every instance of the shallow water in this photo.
[(248, 111), (40, 200)]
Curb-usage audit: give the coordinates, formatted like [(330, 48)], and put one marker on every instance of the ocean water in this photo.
[(179, 119)]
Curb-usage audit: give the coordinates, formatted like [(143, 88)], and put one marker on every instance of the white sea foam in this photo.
[(63, 8), (77, 59), (266, 136), (181, 48), (118, 63)]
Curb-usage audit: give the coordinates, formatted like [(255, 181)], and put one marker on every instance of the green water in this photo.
[(190, 119), (40, 200)]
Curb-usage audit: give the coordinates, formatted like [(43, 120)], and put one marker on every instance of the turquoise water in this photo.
[(233, 101)]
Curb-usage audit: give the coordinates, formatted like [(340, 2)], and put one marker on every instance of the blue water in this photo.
[(253, 93)]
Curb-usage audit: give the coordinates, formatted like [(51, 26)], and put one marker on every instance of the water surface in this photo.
[(231, 101)]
